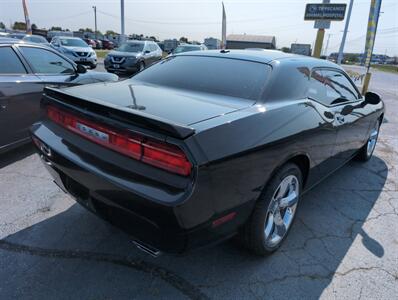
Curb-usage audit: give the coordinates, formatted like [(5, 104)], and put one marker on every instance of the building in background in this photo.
[(243, 41), (212, 43), (302, 49)]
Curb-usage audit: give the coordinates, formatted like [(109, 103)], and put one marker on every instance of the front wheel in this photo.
[(366, 152), (274, 212), (141, 66)]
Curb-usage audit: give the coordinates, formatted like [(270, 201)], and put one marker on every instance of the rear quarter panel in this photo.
[(242, 150)]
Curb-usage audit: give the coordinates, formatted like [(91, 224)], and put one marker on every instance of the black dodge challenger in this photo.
[(205, 145)]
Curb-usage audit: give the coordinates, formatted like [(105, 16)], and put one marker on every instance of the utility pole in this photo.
[(373, 21), (95, 20), (122, 33), (347, 23), (327, 45), (27, 20)]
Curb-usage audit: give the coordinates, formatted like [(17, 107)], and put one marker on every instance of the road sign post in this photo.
[(322, 14), (318, 42)]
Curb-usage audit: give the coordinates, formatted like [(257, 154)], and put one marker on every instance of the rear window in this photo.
[(229, 77)]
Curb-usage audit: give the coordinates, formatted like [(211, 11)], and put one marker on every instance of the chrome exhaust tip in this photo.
[(147, 249)]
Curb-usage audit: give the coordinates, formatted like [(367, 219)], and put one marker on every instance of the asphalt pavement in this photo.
[(343, 245)]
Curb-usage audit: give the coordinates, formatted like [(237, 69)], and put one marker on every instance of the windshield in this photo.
[(229, 77), (73, 43), (131, 47), (181, 49)]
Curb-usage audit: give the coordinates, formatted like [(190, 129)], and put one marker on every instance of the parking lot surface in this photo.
[(343, 245)]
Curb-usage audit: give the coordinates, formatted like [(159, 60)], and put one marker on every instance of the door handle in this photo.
[(3, 105), (340, 119)]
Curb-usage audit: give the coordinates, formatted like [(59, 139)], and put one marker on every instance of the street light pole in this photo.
[(122, 33), (347, 23), (327, 45), (95, 20)]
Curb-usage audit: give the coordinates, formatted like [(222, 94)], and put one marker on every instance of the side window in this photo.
[(9, 62), (331, 87), (338, 87), (46, 62)]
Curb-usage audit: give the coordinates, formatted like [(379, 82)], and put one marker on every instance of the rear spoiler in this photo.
[(123, 114)]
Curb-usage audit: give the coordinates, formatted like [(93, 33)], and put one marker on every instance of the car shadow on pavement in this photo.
[(74, 254), (16, 154)]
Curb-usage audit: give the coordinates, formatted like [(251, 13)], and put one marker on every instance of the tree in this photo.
[(285, 49), (110, 32), (2, 26), (183, 39), (56, 28), (154, 38), (19, 26)]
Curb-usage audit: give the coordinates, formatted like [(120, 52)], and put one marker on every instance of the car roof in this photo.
[(137, 41), (11, 41), (265, 56), (68, 37), (189, 45)]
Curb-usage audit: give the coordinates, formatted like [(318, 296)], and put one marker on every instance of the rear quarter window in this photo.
[(289, 82), (229, 77), (9, 62)]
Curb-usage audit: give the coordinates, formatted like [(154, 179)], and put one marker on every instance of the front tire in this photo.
[(274, 212), (141, 66), (366, 152)]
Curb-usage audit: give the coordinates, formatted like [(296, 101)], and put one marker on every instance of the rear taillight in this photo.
[(159, 154)]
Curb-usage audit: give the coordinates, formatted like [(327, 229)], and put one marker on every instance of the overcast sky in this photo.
[(199, 19)]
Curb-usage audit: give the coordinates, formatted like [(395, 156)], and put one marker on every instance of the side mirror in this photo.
[(147, 51), (80, 69), (372, 98)]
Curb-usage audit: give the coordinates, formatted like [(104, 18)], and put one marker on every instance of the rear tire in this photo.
[(272, 218), (366, 152)]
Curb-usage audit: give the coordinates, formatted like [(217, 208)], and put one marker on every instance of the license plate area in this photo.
[(116, 66)]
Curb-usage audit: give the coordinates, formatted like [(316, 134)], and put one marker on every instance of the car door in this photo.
[(322, 143), (49, 66), (20, 94), (350, 117)]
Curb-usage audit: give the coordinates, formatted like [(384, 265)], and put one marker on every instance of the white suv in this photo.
[(76, 49)]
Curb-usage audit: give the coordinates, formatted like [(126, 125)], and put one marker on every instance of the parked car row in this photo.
[(135, 55)]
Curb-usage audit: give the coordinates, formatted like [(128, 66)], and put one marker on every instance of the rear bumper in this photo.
[(150, 212)]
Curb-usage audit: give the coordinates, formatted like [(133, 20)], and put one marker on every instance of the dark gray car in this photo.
[(25, 69), (132, 56)]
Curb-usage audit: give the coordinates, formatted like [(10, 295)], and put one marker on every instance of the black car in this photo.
[(132, 56), (206, 145), (25, 69)]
